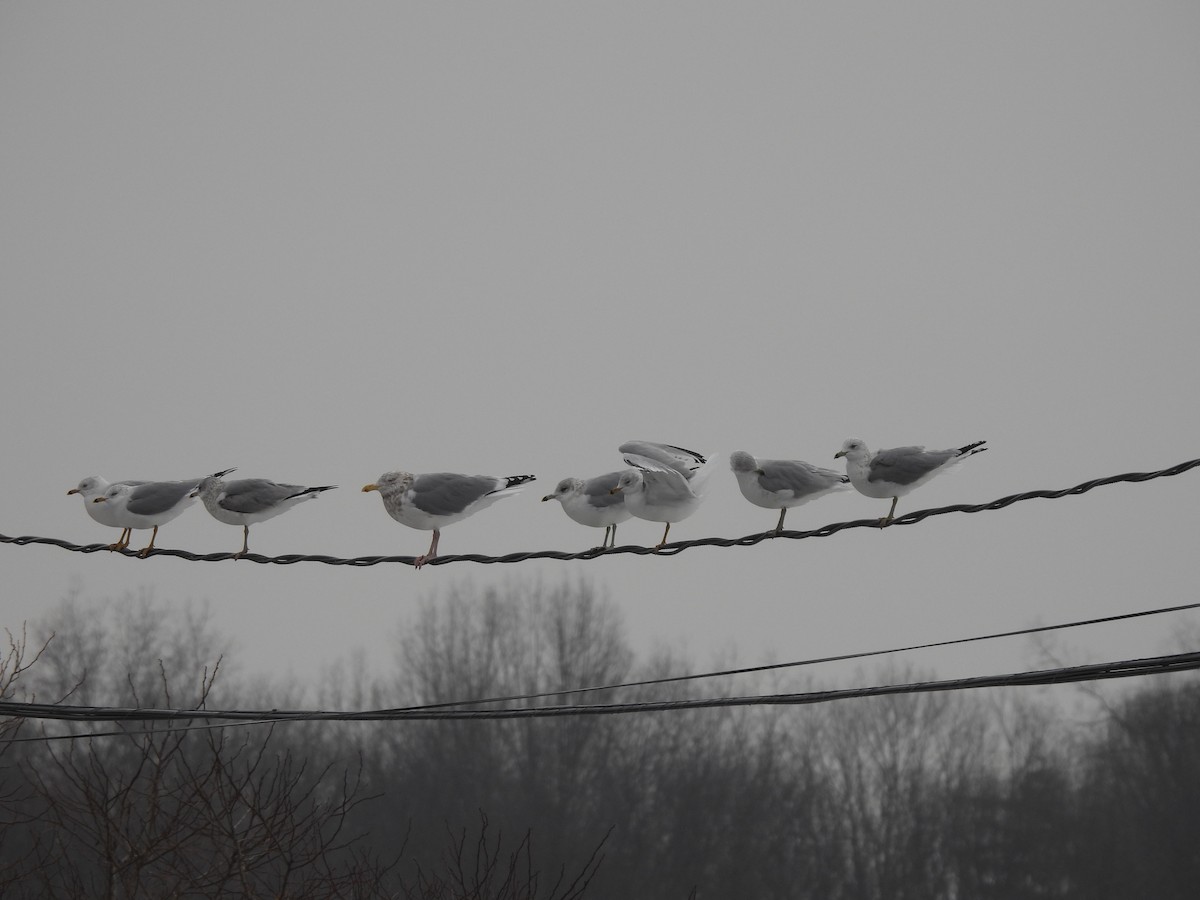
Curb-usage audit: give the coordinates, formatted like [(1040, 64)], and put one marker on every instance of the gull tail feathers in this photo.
[(699, 480)]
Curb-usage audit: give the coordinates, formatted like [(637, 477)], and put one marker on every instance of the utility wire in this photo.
[(672, 679), (1127, 668), (813, 661), (671, 549)]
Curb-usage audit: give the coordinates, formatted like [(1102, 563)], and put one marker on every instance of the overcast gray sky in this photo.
[(322, 241)]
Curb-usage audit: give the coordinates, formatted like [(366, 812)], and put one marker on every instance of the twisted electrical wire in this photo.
[(671, 549)]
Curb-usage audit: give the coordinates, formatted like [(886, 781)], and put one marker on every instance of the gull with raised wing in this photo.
[(895, 472), (593, 503), (246, 501), (783, 483), (666, 484), (437, 499)]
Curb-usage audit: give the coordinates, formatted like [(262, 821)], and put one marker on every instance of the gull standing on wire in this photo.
[(437, 499), (783, 483), (593, 503), (149, 504), (666, 484), (91, 488), (246, 501), (895, 472)]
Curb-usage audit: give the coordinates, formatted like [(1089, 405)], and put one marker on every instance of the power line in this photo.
[(1128, 668), (813, 661), (668, 680), (671, 549)]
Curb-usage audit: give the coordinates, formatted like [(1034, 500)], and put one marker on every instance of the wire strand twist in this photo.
[(671, 549)]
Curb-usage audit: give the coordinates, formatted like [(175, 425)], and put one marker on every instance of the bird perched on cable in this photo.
[(434, 500), (149, 504), (895, 472), (592, 502), (246, 501), (666, 484), (783, 483), (89, 489)]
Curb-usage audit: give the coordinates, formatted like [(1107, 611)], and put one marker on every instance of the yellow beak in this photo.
[(370, 487)]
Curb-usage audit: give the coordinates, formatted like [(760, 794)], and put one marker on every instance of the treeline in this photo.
[(967, 795)]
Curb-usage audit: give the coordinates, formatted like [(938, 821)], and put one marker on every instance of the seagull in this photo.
[(593, 503), (437, 499), (246, 501), (783, 483), (895, 472), (149, 504), (666, 484), (91, 488)]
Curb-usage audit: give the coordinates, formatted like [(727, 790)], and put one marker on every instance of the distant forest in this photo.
[(985, 794)]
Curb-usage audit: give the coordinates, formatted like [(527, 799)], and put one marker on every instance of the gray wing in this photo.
[(796, 476), (682, 460), (155, 497), (598, 491), (255, 495), (446, 493), (904, 465)]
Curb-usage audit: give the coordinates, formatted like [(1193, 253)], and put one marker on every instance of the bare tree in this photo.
[(180, 808)]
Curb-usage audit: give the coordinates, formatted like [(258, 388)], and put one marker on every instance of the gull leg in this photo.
[(122, 541), (614, 536), (145, 551), (887, 520), (782, 513), (245, 543), (432, 554), (604, 543), (664, 540)]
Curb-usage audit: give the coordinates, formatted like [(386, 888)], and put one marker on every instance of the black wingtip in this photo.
[(514, 480), (312, 490), (976, 447)]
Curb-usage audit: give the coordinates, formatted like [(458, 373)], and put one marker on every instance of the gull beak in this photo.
[(194, 494), (72, 491), (99, 499), (840, 453), (616, 490), (547, 497), (370, 487)]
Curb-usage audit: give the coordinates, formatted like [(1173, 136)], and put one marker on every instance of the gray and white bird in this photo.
[(89, 489), (783, 483), (895, 472), (246, 501), (593, 503), (437, 499), (666, 484), (149, 504)]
